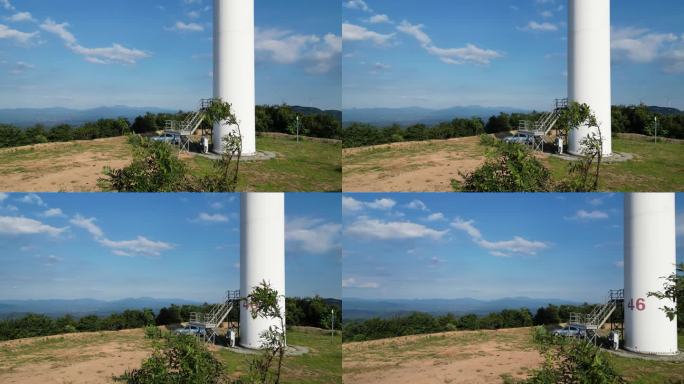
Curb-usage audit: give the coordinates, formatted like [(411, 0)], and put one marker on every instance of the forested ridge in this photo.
[(637, 119), (314, 312), (269, 118)]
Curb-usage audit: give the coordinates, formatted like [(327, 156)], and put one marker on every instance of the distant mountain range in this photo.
[(365, 309), (83, 307), (417, 115), (25, 117)]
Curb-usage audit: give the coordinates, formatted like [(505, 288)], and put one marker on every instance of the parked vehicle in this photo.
[(520, 138), (168, 138), (570, 331), (192, 330)]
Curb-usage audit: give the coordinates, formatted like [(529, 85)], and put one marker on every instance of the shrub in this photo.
[(513, 169), (155, 168), (571, 361), (181, 359), (153, 332), (488, 140)]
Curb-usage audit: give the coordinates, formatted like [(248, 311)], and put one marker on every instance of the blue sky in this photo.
[(83, 53), (424, 246), (187, 246), (511, 53)]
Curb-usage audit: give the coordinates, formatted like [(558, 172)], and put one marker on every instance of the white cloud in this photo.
[(680, 225), (352, 32), (24, 226), (393, 230), (313, 235), (377, 67), (186, 27), (353, 283), (470, 54), (506, 248), (381, 204), (543, 26), (212, 218), (3, 196), (350, 204), (87, 224), (437, 216), (116, 54), (139, 246), (216, 205), (468, 227), (546, 14), (417, 204), (20, 16), (357, 4), (379, 19), (7, 5), (595, 202), (54, 212), (20, 37), (32, 198), (588, 215), (318, 54), (620, 264), (640, 45)]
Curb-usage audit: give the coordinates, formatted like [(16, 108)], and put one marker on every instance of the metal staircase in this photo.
[(186, 128), (546, 122), (593, 321), (218, 312)]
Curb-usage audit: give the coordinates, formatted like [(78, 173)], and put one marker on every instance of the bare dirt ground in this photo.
[(94, 357), (425, 166), (64, 167), (453, 357)]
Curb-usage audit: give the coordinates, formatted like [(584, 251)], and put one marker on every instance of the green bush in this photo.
[(155, 168), (153, 332), (512, 169), (181, 359), (488, 141), (571, 361)]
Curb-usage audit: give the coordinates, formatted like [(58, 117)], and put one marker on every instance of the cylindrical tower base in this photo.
[(262, 258), (589, 73), (650, 257), (234, 72)]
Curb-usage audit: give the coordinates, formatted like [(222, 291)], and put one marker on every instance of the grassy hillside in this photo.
[(76, 166), (323, 363)]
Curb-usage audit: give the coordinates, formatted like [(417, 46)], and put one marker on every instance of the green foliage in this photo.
[(500, 123), (264, 301), (153, 332), (312, 312), (11, 136), (155, 168), (673, 289), (181, 359), (512, 169), (33, 325), (422, 323), (361, 135), (570, 361), (487, 140)]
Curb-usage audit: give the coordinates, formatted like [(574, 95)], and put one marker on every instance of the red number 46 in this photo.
[(640, 304)]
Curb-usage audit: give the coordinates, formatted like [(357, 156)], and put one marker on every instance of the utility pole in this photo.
[(655, 127), (298, 128), (332, 319)]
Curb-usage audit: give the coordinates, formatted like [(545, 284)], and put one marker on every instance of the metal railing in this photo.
[(218, 313)]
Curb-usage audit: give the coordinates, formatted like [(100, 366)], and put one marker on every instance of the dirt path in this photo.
[(75, 358), (68, 167), (454, 357), (410, 167)]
